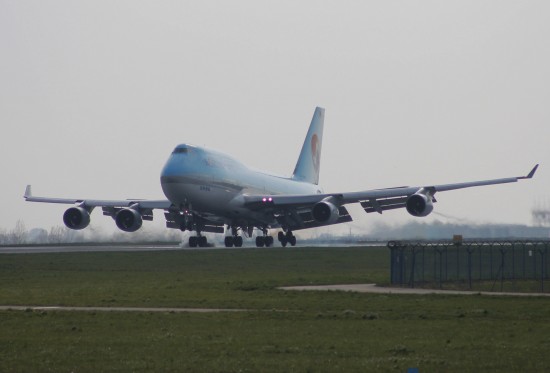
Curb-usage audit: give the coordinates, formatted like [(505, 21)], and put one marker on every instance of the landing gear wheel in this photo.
[(193, 241), (284, 239), (229, 241), (281, 236), (268, 241), (202, 241), (260, 241), (238, 241), (292, 240)]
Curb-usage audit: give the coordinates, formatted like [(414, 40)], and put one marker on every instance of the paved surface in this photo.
[(31, 249), (85, 248), (372, 288), (118, 309)]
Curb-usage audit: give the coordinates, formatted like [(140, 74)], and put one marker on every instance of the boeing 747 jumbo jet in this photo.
[(208, 191)]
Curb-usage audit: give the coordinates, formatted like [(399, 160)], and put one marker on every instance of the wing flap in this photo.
[(304, 220), (176, 220), (379, 205)]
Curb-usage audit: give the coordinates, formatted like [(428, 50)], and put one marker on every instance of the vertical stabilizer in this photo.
[(309, 162)]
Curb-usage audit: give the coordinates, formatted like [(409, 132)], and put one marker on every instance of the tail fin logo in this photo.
[(309, 161), (315, 152)]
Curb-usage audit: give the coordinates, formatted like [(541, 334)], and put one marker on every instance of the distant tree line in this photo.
[(20, 235), (438, 230)]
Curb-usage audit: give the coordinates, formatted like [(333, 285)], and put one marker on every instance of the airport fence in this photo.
[(473, 265)]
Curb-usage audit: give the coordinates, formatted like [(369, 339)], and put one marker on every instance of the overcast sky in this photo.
[(94, 95)]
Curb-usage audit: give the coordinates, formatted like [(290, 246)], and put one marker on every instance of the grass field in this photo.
[(281, 331)]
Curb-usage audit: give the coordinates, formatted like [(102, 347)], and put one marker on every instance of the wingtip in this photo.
[(532, 173), (28, 192)]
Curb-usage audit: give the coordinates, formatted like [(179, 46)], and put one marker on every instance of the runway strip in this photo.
[(118, 309), (86, 248), (372, 288)]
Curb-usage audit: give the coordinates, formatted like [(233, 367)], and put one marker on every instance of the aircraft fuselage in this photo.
[(204, 180)]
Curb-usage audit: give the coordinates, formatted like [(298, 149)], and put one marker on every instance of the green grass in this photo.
[(283, 331), (186, 278)]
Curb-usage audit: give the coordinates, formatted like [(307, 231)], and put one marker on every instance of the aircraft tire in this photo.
[(228, 241), (268, 241), (193, 241), (292, 240), (202, 241), (260, 241), (238, 241)]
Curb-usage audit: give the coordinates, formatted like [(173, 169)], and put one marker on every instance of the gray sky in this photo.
[(94, 95)]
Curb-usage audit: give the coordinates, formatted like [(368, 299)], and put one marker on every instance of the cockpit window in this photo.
[(180, 151)]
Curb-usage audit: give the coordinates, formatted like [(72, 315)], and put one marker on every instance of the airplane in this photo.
[(208, 191)]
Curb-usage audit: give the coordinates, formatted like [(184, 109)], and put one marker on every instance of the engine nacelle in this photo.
[(76, 218), (128, 220), (419, 205), (325, 212)]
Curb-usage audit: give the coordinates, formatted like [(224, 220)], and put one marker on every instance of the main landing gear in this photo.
[(261, 241), (264, 240), (199, 241), (234, 239), (287, 238), (231, 241)]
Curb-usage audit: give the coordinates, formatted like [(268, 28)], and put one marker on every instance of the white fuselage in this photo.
[(213, 183)]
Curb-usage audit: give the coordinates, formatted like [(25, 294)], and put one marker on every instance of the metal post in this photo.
[(440, 252), (502, 253), (446, 264), (542, 252), (491, 259), (523, 244), (469, 250), (411, 279), (423, 261), (480, 262)]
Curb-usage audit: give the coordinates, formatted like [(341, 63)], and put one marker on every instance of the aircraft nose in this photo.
[(171, 166)]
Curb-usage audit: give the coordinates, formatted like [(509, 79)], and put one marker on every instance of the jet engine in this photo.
[(419, 205), (325, 212), (76, 218), (128, 220)]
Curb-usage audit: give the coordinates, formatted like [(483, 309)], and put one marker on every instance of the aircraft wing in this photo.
[(91, 203), (174, 219), (78, 217), (417, 199)]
